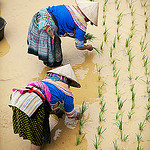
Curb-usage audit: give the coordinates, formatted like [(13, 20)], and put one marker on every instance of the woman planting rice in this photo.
[(32, 105), (50, 23)]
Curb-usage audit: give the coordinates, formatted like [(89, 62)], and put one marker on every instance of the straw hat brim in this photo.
[(89, 9), (68, 72)]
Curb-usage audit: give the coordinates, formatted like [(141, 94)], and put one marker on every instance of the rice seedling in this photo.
[(147, 107), (145, 12), (101, 117), (89, 37), (99, 68), (116, 1), (147, 115), (116, 82), (129, 51), (99, 77), (98, 51), (99, 92), (132, 27), (118, 6), (118, 36), (132, 11), (131, 35), (123, 138), (79, 130), (146, 62), (101, 100), (130, 58), (118, 98), (144, 56), (146, 70), (130, 77), (141, 125), (105, 2), (82, 121), (145, 34), (105, 37), (130, 114), (133, 96), (120, 104), (132, 87), (117, 115), (119, 124), (100, 131), (148, 89), (96, 143), (101, 47), (130, 4), (111, 51), (83, 107), (118, 20), (145, 26), (103, 108), (114, 43), (144, 47), (148, 97), (147, 19), (133, 105), (141, 41), (104, 8), (127, 42), (129, 67), (139, 139), (115, 145), (105, 31), (79, 140), (116, 73)]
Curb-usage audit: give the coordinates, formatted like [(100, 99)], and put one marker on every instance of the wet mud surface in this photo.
[(17, 68)]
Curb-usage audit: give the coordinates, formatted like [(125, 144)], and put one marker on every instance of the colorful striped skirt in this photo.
[(40, 43)]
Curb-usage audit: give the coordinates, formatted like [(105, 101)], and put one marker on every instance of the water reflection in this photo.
[(4, 47)]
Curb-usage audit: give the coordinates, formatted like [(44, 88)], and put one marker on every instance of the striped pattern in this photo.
[(31, 129), (72, 114), (27, 102), (77, 17), (61, 86), (40, 38), (79, 43)]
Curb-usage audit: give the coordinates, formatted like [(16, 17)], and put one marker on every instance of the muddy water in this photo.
[(19, 68)]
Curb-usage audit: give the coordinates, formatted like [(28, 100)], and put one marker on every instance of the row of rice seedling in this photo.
[(82, 121)]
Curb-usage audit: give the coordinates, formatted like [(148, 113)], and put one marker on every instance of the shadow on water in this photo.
[(4, 47)]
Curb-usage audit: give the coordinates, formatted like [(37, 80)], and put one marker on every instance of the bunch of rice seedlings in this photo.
[(83, 107), (115, 145), (116, 82), (79, 139), (147, 107), (111, 51), (117, 115), (133, 105), (131, 58), (129, 51), (105, 37), (118, 36), (115, 74), (123, 138), (120, 104), (104, 20), (132, 11), (100, 131), (98, 51), (133, 96), (89, 37), (132, 87), (99, 68), (141, 125), (118, 6), (130, 4), (127, 42), (130, 114), (130, 77), (103, 108), (147, 115), (101, 47), (146, 62), (101, 117), (119, 123), (114, 43), (101, 100), (99, 91), (96, 143), (139, 140)]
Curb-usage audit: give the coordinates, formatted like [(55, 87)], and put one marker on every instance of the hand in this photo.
[(79, 116), (90, 47)]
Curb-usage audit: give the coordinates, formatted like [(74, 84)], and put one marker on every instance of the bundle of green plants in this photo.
[(89, 37), (96, 143), (79, 139), (83, 107), (123, 138)]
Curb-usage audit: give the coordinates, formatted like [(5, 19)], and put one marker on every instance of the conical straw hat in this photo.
[(90, 10), (68, 72)]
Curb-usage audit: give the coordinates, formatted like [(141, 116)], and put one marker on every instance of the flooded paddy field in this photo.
[(115, 84)]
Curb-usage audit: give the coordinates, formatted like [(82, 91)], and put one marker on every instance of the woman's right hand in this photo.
[(89, 47)]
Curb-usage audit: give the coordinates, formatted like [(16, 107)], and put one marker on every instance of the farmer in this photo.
[(49, 24), (32, 105)]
